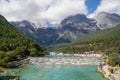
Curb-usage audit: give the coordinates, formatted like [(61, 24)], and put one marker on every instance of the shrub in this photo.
[(113, 59)]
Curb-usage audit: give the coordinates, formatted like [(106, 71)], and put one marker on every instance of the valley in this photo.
[(77, 44), (59, 39), (71, 29)]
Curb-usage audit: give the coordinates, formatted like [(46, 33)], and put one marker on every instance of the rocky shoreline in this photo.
[(7, 77), (109, 72), (82, 59), (104, 73)]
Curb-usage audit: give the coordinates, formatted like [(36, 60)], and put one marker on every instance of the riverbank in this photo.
[(115, 75), (7, 77), (76, 59), (4, 70)]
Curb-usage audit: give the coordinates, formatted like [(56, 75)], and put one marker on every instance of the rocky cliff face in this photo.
[(107, 20), (79, 23), (26, 27), (70, 29)]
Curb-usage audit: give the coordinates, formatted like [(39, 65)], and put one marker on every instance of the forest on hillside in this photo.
[(107, 41), (16, 46)]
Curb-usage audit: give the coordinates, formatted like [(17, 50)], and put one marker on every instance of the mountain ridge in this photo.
[(107, 41), (106, 20), (70, 30)]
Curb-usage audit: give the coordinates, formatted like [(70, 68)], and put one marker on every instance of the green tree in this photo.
[(33, 52), (113, 59)]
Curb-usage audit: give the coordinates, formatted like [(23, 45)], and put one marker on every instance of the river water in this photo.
[(60, 73), (41, 71)]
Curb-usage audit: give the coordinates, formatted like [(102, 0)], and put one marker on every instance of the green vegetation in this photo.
[(14, 45), (107, 41), (114, 59)]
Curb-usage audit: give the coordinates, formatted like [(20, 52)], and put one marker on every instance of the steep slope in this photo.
[(106, 20), (105, 40), (28, 28), (80, 22), (14, 45), (71, 28)]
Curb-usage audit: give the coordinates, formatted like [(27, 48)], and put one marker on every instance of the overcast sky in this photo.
[(53, 11)]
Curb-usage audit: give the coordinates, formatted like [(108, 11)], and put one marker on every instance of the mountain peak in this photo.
[(24, 23), (75, 18), (107, 20), (78, 18), (78, 15), (105, 14), (70, 28)]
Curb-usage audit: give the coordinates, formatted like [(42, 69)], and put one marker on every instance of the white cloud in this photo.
[(110, 6), (41, 10)]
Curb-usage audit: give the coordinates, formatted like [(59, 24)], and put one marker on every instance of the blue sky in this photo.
[(51, 25), (53, 12), (92, 5)]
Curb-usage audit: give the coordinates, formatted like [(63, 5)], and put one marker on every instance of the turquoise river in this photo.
[(60, 73)]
